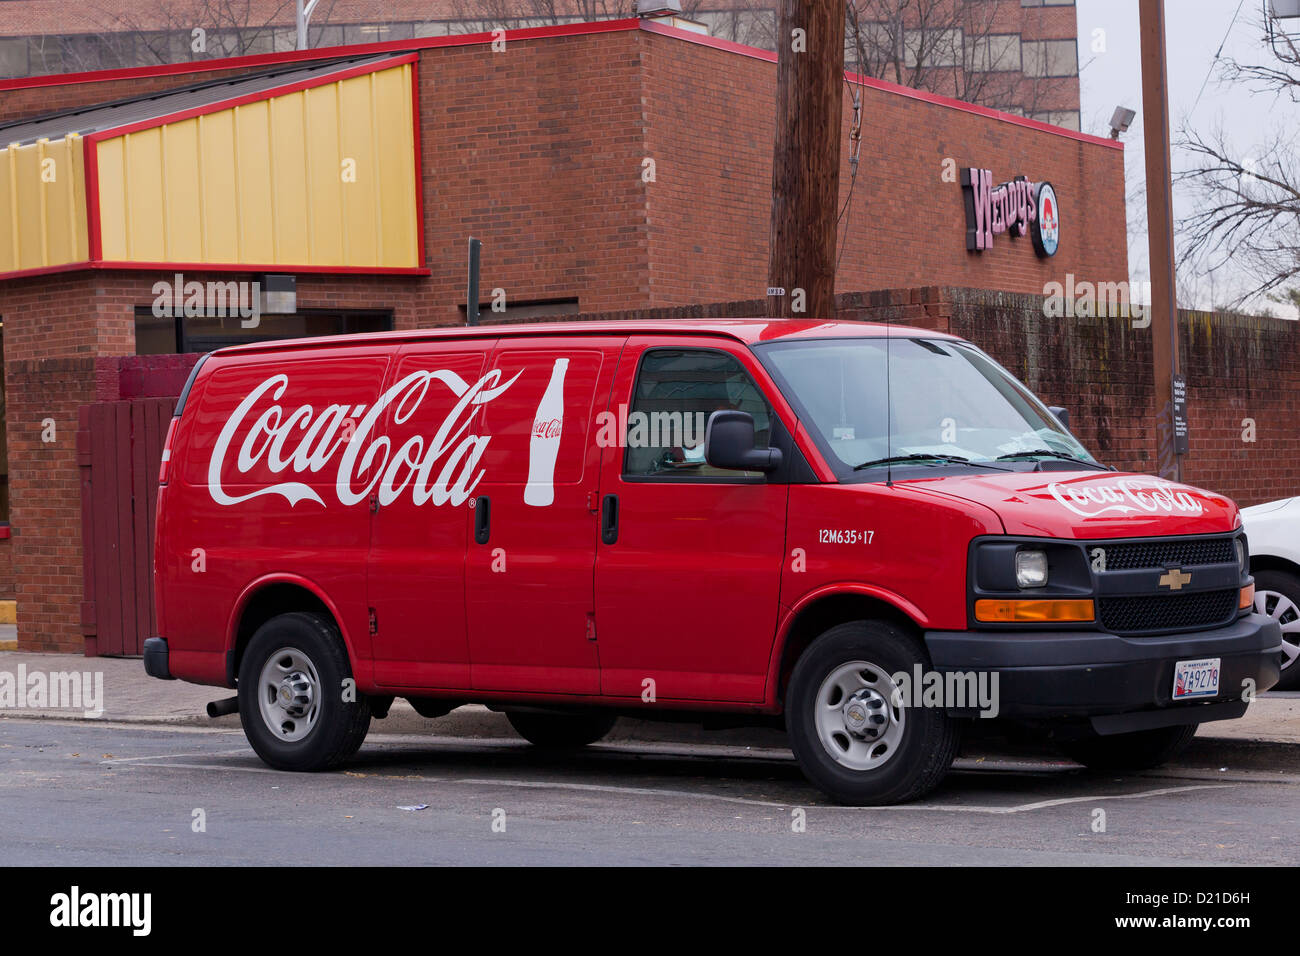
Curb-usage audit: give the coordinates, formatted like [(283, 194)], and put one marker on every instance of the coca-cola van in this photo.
[(874, 535)]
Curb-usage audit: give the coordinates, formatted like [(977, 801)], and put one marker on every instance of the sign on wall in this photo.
[(1017, 208)]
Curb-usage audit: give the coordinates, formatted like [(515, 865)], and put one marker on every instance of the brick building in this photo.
[(619, 165)]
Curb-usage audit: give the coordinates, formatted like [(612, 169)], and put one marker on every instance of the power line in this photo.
[(1222, 43)]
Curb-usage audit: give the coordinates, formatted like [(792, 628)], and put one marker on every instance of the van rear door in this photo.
[(421, 516), (529, 588)]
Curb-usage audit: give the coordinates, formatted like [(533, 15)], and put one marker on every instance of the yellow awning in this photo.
[(308, 169)]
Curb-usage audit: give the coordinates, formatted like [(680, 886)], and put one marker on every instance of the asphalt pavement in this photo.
[(83, 793), (131, 783)]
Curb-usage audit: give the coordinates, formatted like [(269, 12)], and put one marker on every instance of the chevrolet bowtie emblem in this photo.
[(1174, 579)]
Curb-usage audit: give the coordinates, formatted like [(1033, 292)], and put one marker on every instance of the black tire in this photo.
[(929, 737), (1288, 585), (340, 726), (1141, 750), (560, 731)]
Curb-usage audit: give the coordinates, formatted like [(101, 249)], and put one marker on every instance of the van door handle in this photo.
[(482, 519), (609, 519)]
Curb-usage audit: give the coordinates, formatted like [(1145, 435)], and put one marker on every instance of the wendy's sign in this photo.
[(1019, 207)]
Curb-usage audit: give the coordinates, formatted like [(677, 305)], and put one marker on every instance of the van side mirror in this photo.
[(1062, 415), (729, 443)]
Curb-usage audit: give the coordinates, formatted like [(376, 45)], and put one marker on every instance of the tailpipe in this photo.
[(219, 708)]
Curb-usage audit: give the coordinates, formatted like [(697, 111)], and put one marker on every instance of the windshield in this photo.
[(947, 401)]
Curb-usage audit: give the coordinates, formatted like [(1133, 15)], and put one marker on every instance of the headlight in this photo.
[(1031, 569), (1241, 554)]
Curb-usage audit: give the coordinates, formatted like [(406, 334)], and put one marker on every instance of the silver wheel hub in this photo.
[(858, 721), (295, 695), (289, 694), (866, 714), (1283, 610)]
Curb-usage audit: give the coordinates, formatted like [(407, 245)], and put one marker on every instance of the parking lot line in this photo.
[(690, 795)]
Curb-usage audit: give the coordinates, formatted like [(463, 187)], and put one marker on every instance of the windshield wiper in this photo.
[(938, 459), (1049, 453)]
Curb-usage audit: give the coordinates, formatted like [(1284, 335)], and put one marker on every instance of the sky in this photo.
[(1194, 31)]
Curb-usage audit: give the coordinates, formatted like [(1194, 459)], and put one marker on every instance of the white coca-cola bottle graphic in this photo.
[(544, 445)]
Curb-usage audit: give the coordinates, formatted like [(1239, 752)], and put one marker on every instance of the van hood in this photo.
[(1089, 504)]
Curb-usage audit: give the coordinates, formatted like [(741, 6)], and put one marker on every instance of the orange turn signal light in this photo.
[(1050, 612), (1247, 597)]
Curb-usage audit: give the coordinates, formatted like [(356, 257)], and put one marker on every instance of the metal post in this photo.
[(302, 18), (471, 296), (1160, 232)]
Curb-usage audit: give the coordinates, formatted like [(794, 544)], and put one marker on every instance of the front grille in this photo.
[(1126, 615), (1157, 554)]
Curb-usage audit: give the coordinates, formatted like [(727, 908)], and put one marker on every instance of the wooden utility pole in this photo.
[(1160, 233), (806, 158)]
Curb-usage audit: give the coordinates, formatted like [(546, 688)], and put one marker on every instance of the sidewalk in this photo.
[(131, 696)]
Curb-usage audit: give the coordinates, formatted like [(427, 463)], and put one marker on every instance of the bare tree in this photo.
[(951, 47), (1248, 198), (170, 31), (479, 15)]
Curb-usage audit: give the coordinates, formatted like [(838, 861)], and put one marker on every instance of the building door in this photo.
[(119, 449)]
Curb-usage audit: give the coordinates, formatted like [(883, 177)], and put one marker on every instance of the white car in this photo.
[(1273, 532)]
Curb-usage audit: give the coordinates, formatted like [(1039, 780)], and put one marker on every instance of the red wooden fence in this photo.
[(119, 449)]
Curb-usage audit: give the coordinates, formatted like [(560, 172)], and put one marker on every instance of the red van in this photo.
[(873, 534)]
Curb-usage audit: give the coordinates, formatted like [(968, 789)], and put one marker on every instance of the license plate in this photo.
[(1196, 678)]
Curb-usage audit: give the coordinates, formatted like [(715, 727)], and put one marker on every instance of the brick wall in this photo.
[(118, 378), (45, 513), (708, 211), (537, 151)]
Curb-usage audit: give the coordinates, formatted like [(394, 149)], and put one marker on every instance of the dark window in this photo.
[(167, 335), (676, 391)]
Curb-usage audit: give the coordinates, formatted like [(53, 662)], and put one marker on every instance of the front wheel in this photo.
[(848, 723), (296, 710), (560, 731), (1140, 750)]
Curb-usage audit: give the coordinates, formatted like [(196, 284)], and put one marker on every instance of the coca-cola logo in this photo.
[(548, 427), (1124, 497), (439, 469)]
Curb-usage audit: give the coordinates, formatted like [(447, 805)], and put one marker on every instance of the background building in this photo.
[(1020, 56)]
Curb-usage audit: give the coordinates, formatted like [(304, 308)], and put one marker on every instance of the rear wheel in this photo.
[(560, 731), (291, 695), (1140, 750), (1277, 594), (848, 727)]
